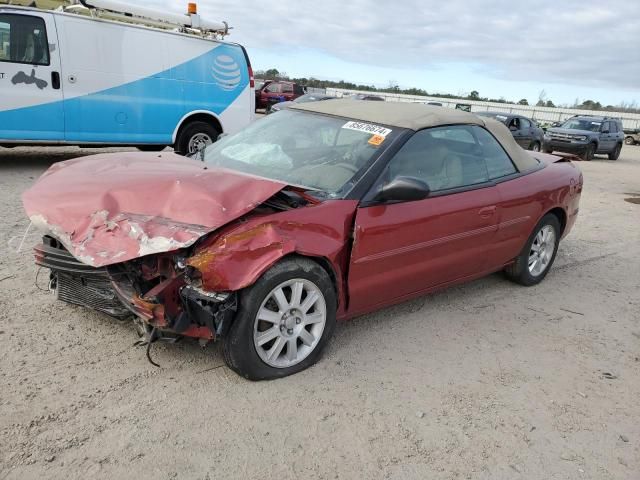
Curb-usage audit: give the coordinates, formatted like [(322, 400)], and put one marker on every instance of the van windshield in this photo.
[(304, 149)]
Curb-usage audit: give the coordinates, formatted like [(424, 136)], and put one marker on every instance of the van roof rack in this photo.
[(121, 11)]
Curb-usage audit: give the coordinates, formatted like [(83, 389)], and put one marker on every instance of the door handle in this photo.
[(55, 80), (487, 212)]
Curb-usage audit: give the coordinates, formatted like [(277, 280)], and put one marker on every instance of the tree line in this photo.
[(393, 87)]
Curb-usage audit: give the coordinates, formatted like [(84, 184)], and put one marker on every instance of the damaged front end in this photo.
[(156, 290)]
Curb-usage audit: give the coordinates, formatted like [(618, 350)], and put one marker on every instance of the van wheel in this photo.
[(616, 152), (195, 136), (284, 320)]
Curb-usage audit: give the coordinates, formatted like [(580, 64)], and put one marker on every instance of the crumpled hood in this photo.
[(111, 208)]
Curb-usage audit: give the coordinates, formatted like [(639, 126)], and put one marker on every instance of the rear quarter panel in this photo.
[(526, 199)]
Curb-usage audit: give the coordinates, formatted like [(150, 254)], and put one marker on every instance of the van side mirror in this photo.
[(403, 189)]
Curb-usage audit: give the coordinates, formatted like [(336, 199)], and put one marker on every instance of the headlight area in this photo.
[(166, 294)]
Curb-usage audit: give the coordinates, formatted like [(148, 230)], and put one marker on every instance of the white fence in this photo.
[(540, 114)]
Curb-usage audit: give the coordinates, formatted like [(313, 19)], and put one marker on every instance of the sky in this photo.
[(570, 49)]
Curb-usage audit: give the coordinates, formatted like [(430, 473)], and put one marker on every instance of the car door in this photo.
[(526, 131), (606, 137), (403, 248), (516, 132), (271, 94), (31, 106), (287, 92)]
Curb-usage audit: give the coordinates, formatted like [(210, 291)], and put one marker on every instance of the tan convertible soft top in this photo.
[(416, 116)]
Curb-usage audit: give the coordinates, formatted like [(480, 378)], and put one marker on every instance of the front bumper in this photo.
[(565, 145), (169, 306)]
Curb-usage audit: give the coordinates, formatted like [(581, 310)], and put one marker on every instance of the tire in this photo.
[(616, 152), (151, 148), (193, 135), (242, 350), (520, 271), (535, 146), (589, 152), (629, 141)]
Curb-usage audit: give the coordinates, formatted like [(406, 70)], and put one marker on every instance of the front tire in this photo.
[(284, 321), (616, 152), (589, 152), (536, 147), (538, 254), (195, 136)]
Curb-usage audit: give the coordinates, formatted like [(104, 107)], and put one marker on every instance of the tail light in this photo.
[(252, 81)]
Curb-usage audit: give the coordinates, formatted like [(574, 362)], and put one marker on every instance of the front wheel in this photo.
[(538, 254), (194, 137), (535, 147), (589, 152), (284, 320), (616, 152)]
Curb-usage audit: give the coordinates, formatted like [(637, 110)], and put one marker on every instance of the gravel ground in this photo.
[(489, 380)]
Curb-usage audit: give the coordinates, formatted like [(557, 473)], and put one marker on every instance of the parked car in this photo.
[(465, 107), (308, 97), (70, 79), (276, 92), (525, 131), (437, 104), (586, 135), (632, 137), (323, 212)]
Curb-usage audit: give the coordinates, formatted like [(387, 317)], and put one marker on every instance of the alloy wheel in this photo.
[(542, 249), (289, 323)]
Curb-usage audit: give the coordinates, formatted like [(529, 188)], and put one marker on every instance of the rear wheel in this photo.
[(589, 152), (195, 136), (535, 146), (284, 321), (616, 152), (629, 141), (538, 254)]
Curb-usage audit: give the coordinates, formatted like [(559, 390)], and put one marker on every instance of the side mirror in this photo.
[(403, 189)]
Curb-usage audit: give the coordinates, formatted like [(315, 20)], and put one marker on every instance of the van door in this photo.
[(31, 108)]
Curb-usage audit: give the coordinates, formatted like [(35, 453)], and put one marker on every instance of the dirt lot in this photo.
[(488, 380)]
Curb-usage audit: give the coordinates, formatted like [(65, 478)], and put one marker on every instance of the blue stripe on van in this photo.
[(143, 111)]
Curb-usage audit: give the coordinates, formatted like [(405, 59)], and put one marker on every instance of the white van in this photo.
[(69, 79)]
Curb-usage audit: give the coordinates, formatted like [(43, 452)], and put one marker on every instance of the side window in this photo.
[(525, 124), (287, 88), (496, 159), (23, 39), (298, 90), (273, 88), (605, 127), (613, 127), (442, 158), (514, 124)]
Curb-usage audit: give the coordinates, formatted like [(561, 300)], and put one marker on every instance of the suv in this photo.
[(276, 92), (586, 135)]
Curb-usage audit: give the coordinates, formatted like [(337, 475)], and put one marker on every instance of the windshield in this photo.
[(582, 125), (305, 149)]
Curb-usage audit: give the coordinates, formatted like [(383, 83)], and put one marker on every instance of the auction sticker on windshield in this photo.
[(367, 128)]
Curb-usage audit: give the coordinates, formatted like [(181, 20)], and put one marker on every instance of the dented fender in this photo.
[(236, 257)]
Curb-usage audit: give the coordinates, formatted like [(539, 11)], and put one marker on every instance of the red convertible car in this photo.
[(314, 214)]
